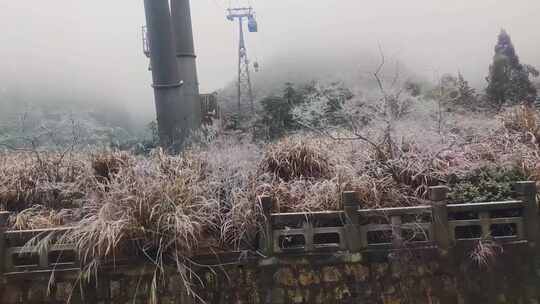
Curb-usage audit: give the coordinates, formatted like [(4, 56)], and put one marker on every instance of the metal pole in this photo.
[(244, 77), (250, 90), (172, 123), (243, 66), (241, 48), (186, 60)]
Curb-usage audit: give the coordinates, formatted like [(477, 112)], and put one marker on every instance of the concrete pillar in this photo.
[(172, 119), (186, 60)]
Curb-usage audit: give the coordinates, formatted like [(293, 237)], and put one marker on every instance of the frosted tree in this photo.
[(509, 80)]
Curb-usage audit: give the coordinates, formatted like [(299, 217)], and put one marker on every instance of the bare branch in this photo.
[(396, 75), (378, 71)]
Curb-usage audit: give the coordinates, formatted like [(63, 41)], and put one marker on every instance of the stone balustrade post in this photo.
[(267, 239), (526, 192), (354, 238), (3, 227), (438, 197)]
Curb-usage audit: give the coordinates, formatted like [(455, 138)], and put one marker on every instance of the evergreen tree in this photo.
[(466, 94), (276, 118), (508, 79)]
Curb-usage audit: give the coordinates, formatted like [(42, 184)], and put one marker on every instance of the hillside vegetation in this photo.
[(305, 145)]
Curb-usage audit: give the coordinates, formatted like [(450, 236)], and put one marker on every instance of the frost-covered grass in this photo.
[(165, 207), (302, 172)]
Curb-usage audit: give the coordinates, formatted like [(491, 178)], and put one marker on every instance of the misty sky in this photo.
[(93, 48)]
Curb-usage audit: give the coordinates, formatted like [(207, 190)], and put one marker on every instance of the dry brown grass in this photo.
[(304, 195), (49, 179), (292, 159), (108, 164), (153, 208), (40, 217), (305, 173), (523, 119)]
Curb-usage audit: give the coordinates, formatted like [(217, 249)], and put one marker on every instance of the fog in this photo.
[(84, 52)]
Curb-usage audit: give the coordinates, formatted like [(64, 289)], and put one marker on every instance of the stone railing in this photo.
[(436, 225)]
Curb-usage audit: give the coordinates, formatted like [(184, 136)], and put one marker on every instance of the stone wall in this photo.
[(405, 276)]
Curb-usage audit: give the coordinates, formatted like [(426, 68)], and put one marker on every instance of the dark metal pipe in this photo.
[(186, 59), (172, 118)]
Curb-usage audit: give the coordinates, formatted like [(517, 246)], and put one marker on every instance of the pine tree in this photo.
[(508, 79), (466, 94)]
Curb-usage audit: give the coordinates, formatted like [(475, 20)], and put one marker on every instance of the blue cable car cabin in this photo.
[(252, 25)]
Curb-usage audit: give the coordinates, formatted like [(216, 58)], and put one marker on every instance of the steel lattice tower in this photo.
[(244, 87)]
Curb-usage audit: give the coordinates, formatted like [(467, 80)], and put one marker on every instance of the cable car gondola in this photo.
[(252, 24)]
